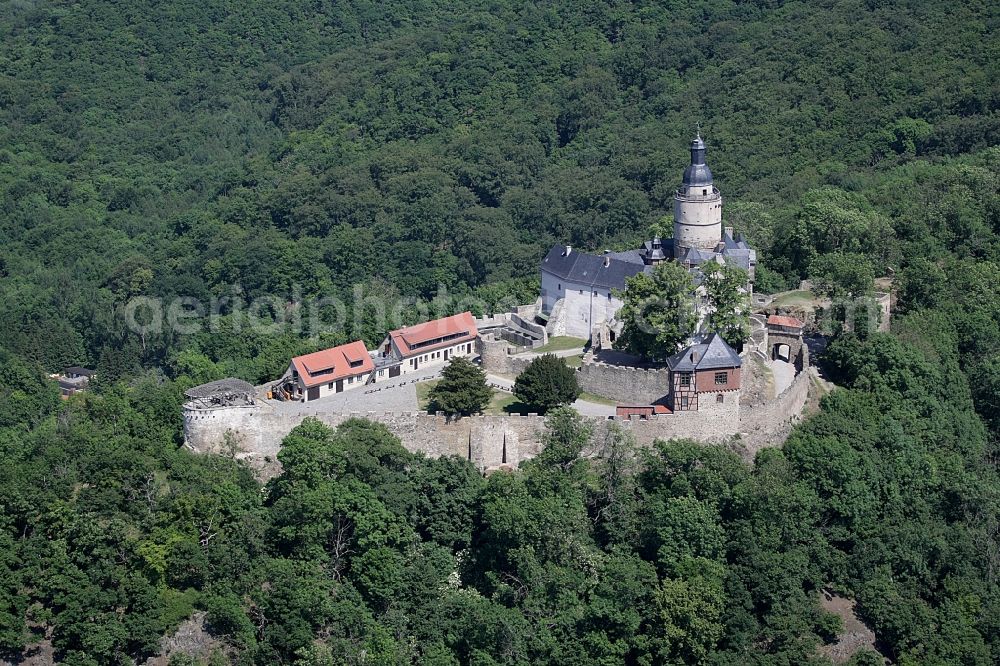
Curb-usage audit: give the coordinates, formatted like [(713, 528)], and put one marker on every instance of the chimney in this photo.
[(730, 232), (569, 248), (607, 261)]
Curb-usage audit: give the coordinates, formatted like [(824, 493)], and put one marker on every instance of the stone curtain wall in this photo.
[(255, 434), (768, 423), (627, 385)]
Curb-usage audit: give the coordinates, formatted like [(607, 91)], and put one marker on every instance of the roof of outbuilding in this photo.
[(787, 322), (590, 269), (711, 354), (338, 359), (461, 325)]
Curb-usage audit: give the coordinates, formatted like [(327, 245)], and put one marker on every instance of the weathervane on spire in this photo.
[(697, 129)]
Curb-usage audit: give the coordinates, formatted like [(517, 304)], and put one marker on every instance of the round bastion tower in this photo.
[(697, 205)]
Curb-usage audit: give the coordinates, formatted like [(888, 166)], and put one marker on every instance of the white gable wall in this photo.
[(586, 308)]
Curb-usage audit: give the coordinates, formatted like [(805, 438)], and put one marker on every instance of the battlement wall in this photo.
[(626, 384), (256, 433)]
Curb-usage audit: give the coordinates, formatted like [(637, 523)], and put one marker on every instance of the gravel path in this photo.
[(784, 373)]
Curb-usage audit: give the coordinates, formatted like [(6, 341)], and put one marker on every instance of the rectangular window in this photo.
[(721, 378), (684, 403), (685, 379), (330, 386)]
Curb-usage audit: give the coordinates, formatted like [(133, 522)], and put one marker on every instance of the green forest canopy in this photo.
[(295, 149)]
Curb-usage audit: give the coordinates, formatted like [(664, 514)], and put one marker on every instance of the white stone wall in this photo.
[(583, 312), (698, 221), (552, 290), (434, 359), (330, 388)]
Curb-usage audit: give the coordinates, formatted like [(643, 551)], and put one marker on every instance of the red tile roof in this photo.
[(781, 320), (332, 364), (419, 339)]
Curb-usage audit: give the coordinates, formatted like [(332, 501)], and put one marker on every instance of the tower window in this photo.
[(719, 398), (722, 378), (704, 193)]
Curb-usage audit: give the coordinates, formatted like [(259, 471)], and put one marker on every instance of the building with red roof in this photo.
[(333, 370), (785, 324), (425, 345)]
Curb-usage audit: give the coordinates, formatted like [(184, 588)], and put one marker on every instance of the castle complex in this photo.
[(696, 394)]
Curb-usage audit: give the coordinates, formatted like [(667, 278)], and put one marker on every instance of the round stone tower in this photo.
[(697, 205)]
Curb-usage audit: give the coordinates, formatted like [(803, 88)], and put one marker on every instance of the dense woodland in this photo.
[(296, 149)]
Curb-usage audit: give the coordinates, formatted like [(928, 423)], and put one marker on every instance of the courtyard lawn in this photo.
[(798, 298), (424, 394), (561, 343), (600, 400), (574, 361)]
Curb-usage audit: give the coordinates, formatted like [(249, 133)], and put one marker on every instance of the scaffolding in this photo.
[(229, 392)]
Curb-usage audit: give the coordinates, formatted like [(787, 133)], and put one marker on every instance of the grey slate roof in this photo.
[(698, 173), (708, 355), (734, 252), (589, 269)]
